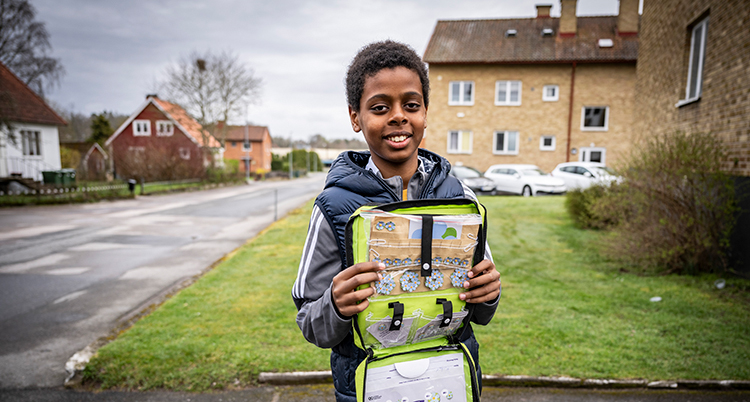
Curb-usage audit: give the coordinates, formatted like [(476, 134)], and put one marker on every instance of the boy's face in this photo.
[(392, 117)]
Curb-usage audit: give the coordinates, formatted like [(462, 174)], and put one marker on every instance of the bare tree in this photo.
[(25, 47), (212, 87)]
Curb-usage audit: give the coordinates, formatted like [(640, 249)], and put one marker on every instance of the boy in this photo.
[(388, 93)]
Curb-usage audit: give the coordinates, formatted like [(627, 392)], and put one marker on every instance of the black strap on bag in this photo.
[(447, 312), (398, 315), (426, 245)]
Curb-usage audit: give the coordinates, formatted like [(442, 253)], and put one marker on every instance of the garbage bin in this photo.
[(52, 178), (68, 177)]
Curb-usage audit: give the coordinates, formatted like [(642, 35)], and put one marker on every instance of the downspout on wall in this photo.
[(570, 109)]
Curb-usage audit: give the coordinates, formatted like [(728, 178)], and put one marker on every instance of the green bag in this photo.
[(411, 327)]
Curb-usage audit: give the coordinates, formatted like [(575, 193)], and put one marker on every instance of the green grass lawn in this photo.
[(564, 311)]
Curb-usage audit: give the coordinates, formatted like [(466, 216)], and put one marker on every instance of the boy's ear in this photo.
[(354, 117)]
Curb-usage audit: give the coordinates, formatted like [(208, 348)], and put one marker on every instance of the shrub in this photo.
[(581, 205), (675, 210)]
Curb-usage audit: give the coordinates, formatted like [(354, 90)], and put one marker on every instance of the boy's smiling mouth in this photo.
[(398, 138)]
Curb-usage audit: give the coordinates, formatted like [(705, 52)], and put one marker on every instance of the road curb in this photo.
[(322, 377)]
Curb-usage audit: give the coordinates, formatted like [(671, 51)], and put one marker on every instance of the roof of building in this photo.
[(188, 124), (177, 115), (20, 104), (254, 133), (485, 41)]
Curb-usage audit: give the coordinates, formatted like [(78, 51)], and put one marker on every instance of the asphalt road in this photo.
[(70, 274)]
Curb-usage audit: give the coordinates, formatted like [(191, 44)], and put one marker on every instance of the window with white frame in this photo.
[(698, 35), (505, 143), (508, 93), (459, 142), (551, 93), (31, 143), (164, 128), (461, 93), (595, 118), (247, 146), (141, 128), (185, 153), (547, 143)]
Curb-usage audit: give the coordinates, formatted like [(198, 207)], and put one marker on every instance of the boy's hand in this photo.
[(344, 289), (483, 283)]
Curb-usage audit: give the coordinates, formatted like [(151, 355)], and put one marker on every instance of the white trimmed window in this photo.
[(141, 128), (164, 128), (247, 146), (31, 143), (694, 86), (551, 93), (508, 93), (461, 93), (595, 118), (185, 153), (505, 143), (459, 142), (547, 143)]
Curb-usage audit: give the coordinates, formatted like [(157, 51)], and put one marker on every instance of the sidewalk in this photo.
[(321, 393)]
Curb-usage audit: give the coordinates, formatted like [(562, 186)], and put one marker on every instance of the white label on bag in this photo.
[(439, 374)]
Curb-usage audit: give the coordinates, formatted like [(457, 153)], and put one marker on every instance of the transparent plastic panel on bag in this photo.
[(396, 241)]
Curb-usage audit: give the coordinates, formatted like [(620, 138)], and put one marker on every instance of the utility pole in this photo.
[(291, 158), (246, 145)]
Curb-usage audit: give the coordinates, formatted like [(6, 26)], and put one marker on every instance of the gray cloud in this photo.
[(114, 51)]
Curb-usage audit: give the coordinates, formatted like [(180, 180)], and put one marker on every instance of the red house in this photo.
[(160, 141)]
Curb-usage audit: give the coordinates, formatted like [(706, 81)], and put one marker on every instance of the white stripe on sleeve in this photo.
[(315, 213), (311, 251)]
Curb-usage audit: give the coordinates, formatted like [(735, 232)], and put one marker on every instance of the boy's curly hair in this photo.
[(378, 56)]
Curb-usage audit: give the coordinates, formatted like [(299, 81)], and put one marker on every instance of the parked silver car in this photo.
[(473, 179), (583, 174), (526, 180)]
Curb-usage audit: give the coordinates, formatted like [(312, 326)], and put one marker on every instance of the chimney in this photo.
[(542, 10), (568, 22), (220, 124), (627, 19)]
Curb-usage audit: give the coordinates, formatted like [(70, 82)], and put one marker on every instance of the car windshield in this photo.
[(533, 172), (463, 172), (604, 171)]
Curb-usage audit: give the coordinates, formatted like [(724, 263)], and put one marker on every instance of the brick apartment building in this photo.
[(255, 154), (538, 90), (692, 75)]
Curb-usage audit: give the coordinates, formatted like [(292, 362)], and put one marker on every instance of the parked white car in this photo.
[(583, 174), (526, 180)]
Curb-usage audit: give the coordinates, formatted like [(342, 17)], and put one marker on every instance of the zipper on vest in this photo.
[(387, 186)]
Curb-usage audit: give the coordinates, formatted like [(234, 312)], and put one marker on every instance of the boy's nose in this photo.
[(398, 116)]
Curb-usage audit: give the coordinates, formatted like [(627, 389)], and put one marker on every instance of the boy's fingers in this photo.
[(485, 298), (349, 304), (357, 269), (482, 280), (353, 283), (353, 309), (480, 268)]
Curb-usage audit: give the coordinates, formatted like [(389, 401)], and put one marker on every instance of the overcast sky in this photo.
[(114, 51)]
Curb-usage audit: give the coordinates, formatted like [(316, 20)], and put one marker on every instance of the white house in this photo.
[(29, 142)]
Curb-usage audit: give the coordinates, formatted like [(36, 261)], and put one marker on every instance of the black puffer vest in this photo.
[(350, 185)]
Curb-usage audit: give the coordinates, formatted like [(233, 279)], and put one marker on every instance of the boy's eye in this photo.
[(413, 105), (378, 108)]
